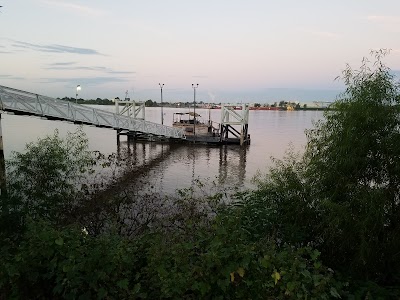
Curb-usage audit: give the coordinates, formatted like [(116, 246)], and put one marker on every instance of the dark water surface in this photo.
[(166, 167)]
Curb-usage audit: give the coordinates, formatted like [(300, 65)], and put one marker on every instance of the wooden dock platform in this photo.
[(215, 140)]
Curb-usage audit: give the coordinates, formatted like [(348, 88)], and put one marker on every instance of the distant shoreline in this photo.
[(200, 105)]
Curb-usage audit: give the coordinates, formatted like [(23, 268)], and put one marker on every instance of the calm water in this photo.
[(168, 167)]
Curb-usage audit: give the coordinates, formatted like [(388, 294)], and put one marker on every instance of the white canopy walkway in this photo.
[(26, 103)]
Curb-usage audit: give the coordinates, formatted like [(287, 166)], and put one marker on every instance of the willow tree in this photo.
[(353, 168)]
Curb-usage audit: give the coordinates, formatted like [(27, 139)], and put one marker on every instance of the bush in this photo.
[(69, 264), (342, 196), (225, 264), (353, 168), (44, 182)]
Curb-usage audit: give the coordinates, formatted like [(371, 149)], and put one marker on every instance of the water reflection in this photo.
[(168, 167), (232, 165)]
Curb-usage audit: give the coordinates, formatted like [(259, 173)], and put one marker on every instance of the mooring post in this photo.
[(3, 185), (118, 134), (131, 136)]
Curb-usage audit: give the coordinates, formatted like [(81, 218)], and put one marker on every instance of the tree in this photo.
[(44, 182), (342, 196), (150, 103), (353, 159)]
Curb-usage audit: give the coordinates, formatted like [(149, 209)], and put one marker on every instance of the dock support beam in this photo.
[(131, 136), (118, 137), (230, 118)]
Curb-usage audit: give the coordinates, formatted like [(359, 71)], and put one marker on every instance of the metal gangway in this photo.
[(26, 103)]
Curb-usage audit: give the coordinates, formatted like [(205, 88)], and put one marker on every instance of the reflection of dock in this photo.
[(145, 189), (232, 162), (140, 159)]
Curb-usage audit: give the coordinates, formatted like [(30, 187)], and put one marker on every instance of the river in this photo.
[(166, 167)]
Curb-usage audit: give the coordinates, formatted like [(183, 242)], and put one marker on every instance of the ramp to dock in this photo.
[(26, 103)]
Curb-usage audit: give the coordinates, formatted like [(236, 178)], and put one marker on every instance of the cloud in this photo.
[(120, 72), (384, 19), (322, 34), (85, 80), (11, 77), (62, 67), (63, 63), (76, 8), (72, 66), (55, 48), (388, 23), (2, 48)]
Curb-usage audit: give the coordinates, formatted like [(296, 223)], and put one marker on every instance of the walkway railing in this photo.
[(21, 102)]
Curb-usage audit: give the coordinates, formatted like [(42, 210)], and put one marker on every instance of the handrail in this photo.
[(19, 101)]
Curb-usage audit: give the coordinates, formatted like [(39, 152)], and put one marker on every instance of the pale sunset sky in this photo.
[(236, 50)]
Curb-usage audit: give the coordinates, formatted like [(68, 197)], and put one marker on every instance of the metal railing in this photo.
[(22, 102)]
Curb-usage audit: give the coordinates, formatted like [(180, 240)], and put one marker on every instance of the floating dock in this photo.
[(232, 130)]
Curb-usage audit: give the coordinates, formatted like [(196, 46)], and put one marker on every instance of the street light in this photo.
[(162, 113), (78, 88), (194, 86)]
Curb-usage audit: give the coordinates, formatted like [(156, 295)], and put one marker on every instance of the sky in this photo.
[(236, 50)]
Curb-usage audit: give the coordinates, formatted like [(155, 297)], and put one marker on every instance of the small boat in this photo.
[(192, 124), (266, 108)]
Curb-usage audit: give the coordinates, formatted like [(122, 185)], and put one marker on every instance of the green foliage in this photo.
[(150, 103), (44, 182), (342, 195), (225, 264), (69, 264), (99, 101), (354, 170), (282, 206)]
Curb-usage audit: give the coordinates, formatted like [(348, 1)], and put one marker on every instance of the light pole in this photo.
[(162, 113), (78, 88), (194, 86)]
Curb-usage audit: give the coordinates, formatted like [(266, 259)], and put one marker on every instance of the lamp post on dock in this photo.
[(78, 88), (194, 86), (162, 113)]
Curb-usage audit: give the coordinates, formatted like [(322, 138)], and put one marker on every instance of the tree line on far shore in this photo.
[(283, 105), (148, 103)]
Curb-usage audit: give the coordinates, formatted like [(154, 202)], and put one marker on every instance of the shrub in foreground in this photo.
[(70, 264)]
